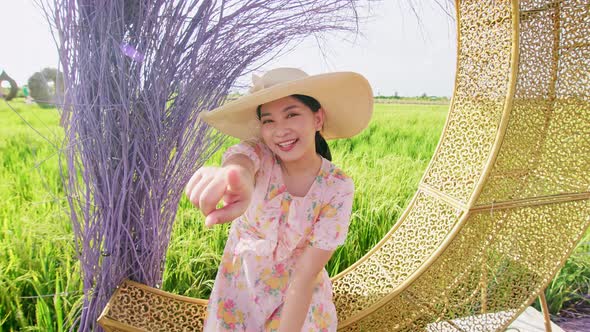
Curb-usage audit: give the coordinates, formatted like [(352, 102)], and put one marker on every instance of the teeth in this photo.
[(288, 143)]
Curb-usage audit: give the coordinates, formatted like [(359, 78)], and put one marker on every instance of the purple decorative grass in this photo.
[(137, 74)]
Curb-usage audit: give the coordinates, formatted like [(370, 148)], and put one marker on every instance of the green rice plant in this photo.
[(571, 286), (39, 272)]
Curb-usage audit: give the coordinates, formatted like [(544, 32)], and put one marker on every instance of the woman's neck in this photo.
[(305, 166)]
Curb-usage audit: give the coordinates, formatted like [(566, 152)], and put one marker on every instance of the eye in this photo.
[(266, 121), (293, 114)]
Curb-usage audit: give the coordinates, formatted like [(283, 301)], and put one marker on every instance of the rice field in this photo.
[(40, 286)]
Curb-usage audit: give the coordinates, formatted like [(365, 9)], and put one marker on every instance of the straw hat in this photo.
[(346, 97)]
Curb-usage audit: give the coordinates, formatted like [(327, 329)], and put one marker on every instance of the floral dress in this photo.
[(265, 242)]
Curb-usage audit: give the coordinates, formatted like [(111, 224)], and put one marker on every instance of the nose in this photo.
[(281, 130)]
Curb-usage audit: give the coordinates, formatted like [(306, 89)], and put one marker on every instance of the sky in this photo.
[(394, 51)]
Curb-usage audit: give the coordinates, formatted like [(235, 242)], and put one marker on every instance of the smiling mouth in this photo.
[(286, 146)]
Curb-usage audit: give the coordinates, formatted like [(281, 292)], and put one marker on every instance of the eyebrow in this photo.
[(284, 110)]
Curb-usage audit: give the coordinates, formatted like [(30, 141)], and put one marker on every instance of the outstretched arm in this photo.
[(298, 298), (242, 161)]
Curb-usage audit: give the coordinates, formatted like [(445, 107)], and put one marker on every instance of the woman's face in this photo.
[(288, 128)]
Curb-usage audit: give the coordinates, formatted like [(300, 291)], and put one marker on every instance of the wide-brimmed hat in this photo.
[(347, 99)]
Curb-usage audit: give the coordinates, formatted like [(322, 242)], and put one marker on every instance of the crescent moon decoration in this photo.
[(136, 76), (12, 92), (502, 204)]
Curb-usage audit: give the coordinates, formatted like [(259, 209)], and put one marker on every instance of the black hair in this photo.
[(321, 146)]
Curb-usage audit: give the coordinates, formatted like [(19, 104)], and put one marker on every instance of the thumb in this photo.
[(225, 214)]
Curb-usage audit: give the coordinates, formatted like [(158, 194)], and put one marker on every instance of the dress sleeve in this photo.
[(251, 149), (331, 227)]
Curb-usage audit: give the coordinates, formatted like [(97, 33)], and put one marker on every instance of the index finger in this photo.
[(235, 182)]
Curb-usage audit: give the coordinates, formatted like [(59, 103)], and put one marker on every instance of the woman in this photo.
[(290, 203)]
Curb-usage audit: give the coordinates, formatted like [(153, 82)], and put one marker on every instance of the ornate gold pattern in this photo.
[(504, 201), (137, 307)]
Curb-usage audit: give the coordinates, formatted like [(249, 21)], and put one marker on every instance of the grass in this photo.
[(39, 275), (37, 256)]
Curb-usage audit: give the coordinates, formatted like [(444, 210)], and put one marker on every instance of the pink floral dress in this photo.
[(265, 242)]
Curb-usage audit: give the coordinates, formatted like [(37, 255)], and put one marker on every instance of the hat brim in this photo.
[(347, 99)]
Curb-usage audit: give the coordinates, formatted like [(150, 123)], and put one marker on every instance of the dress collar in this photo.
[(283, 188)]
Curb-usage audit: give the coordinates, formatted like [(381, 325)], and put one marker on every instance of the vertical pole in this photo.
[(545, 310)]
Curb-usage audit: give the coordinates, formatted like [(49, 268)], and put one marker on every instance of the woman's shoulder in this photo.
[(259, 146), (255, 143), (253, 148), (336, 177), (256, 151)]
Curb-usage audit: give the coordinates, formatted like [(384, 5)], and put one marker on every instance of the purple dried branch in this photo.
[(137, 73)]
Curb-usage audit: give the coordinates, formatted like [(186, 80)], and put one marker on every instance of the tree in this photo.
[(46, 87)]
